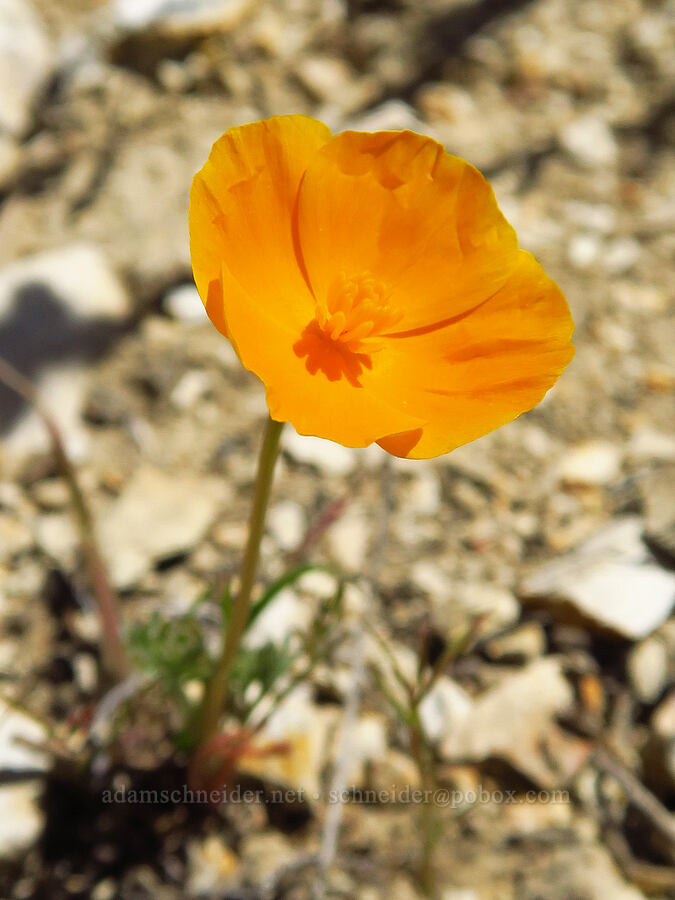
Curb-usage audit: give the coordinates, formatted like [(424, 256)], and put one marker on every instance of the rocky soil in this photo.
[(557, 531)]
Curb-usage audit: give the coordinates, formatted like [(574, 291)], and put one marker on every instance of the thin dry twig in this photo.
[(642, 798), (114, 653), (270, 887), (112, 701), (651, 878), (327, 517)]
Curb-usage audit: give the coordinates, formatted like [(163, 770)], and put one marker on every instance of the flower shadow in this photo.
[(330, 357)]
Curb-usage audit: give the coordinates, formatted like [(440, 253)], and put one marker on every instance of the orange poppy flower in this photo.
[(373, 285)]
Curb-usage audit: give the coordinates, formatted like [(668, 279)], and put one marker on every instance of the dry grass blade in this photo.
[(114, 653)]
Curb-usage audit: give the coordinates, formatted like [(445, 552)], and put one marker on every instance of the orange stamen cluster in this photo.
[(355, 311)]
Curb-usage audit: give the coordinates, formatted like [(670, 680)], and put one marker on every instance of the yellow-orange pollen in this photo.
[(355, 312)]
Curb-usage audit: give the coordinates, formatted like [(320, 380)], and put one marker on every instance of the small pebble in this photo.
[(590, 463), (590, 142), (184, 304), (648, 668), (621, 255), (286, 522), (191, 387), (86, 672), (523, 643), (583, 250), (327, 456)]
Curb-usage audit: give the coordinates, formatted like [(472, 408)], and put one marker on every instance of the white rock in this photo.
[(525, 642), (615, 336), (15, 537), (305, 728), (525, 819), (583, 250), (52, 494), (392, 115), (156, 516), (621, 255), (424, 495), (429, 577), (400, 887), (77, 276), (26, 59), (318, 584), (647, 444), (611, 580), (21, 819), (212, 867), (194, 691), (180, 15), (184, 304), (663, 719), (594, 216), (443, 708), (62, 391), (590, 141), (327, 456), (104, 890), (475, 466), (16, 727), (412, 532), (373, 456), (47, 301), (511, 719), (357, 598), (643, 298), (454, 604), (23, 580), (285, 614), (592, 462), (448, 102), (86, 672), (348, 538), (647, 666), (191, 387), (266, 854), (595, 876), (367, 744), (286, 522), (649, 33), (56, 535), (332, 81), (231, 535), (11, 497)]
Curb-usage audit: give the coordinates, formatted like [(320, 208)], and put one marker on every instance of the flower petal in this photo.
[(424, 223), (241, 209), (333, 401), (475, 374), (475, 331)]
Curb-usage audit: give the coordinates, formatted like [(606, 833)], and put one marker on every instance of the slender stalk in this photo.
[(113, 650), (216, 694), (430, 824)]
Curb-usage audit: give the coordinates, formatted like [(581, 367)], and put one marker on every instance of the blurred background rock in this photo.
[(557, 528)]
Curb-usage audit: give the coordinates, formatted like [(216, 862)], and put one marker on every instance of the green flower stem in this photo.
[(430, 824), (216, 694)]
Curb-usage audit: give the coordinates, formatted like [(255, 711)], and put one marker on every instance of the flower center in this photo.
[(356, 310)]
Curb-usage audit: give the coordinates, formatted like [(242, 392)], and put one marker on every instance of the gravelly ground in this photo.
[(567, 107)]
